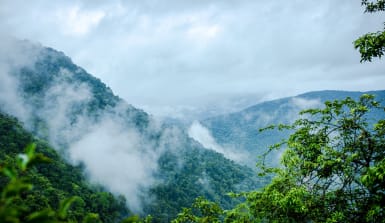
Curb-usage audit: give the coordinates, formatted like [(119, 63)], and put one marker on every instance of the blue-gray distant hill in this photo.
[(240, 131)]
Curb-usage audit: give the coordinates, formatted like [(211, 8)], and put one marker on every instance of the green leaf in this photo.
[(65, 206), (44, 216)]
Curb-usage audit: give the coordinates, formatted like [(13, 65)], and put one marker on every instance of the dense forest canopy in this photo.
[(43, 186)]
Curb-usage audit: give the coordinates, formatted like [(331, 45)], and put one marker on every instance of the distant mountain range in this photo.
[(239, 131)]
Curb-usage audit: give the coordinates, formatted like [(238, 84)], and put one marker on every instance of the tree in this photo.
[(202, 211), (332, 170), (371, 44), (12, 211), (333, 167), (18, 187)]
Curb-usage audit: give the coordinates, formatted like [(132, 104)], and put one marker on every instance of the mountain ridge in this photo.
[(240, 130), (157, 167)]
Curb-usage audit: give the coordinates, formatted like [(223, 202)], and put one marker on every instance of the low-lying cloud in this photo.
[(14, 55), (202, 135), (118, 158)]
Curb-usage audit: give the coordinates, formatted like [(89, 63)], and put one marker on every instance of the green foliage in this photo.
[(212, 177), (371, 44), (373, 6), (137, 219), (10, 210), (51, 186), (332, 170), (202, 211)]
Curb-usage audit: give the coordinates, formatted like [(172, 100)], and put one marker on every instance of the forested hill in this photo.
[(157, 168), (240, 130), (54, 181)]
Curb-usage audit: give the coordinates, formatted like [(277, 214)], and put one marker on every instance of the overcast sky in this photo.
[(178, 58)]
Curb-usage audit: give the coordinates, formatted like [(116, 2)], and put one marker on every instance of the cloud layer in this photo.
[(189, 55), (202, 135)]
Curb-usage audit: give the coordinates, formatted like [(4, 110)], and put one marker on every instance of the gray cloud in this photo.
[(178, 54), (119, 159), (203, 135), (14, 55)]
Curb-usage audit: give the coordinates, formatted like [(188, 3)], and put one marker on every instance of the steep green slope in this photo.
[(56, 180), (203, 173), (164, 169)]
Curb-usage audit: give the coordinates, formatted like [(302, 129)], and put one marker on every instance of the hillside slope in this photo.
[(56, 180), (156, 167)]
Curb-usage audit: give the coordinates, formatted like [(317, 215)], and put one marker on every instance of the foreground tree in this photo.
[(333, 167), (18, 186), (332, 170), (372, 44)]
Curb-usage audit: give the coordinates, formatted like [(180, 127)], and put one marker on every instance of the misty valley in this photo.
[(116, 158), (73, 151), (118, 162)]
